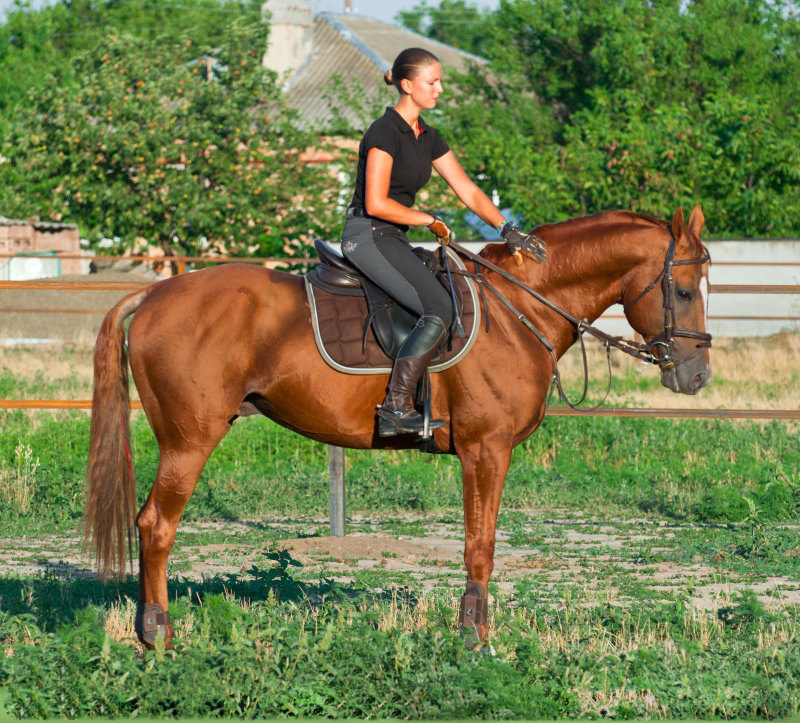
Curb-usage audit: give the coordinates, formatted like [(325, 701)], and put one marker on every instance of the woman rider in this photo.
[(394, 162)]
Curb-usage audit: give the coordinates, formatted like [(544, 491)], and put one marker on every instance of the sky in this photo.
[(382, 9)]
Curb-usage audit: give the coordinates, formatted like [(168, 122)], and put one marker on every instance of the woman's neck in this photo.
[(409, 112)]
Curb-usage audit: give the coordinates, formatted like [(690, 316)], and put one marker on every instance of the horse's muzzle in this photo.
[(688, 377)]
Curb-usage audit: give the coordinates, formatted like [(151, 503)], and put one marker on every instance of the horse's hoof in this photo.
[(152, 622), (477, 644)]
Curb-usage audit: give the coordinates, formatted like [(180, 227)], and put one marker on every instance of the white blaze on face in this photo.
[(704, 294)]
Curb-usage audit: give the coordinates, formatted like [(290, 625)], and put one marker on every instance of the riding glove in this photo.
[(441, 230), (528, 243)]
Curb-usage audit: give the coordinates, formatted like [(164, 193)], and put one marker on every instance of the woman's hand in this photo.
[(526, 243), (441, 230)]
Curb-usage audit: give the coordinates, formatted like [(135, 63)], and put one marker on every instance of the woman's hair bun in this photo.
[(388, 77)]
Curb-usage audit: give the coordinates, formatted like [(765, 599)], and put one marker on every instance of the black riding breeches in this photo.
[(383, 254)]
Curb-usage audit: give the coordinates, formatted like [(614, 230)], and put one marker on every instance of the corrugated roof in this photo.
[(359, 50), (13, 222), (386, 41)]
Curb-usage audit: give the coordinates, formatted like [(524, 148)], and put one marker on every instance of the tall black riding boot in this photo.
[(397, 414)]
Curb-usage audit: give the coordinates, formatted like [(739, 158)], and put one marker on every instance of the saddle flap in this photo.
[(338, 317), (389, 321)]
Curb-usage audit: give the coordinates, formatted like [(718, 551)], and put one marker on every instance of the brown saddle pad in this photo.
[(338, 323)]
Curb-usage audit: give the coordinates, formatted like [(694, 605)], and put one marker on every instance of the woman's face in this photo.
[(425, 87)]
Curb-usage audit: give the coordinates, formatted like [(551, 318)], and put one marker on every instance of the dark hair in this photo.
[(407, 65)]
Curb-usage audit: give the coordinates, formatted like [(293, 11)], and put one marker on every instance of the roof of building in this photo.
[(38, 225), (359, 50)]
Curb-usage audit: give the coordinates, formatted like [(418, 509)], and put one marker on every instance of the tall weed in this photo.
[(18, 481)]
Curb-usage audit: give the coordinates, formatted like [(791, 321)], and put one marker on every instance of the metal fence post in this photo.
[(336, 480)]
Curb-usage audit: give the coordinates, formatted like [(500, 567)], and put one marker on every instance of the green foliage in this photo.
[(188, 147), (36, 44), (351, 654), (625, 466), (583, 107), (589, 106)]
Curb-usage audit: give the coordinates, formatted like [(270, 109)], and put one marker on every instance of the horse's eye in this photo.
[(684, 294)]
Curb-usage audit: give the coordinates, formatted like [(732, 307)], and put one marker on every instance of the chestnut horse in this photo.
[(208, 347)]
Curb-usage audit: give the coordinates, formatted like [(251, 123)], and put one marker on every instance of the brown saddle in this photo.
[(359, 328)]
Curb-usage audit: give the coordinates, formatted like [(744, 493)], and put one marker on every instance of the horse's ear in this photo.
[(696, 221), (678, 224)]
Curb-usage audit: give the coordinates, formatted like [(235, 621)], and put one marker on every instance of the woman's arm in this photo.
[(376, 195), (448, 167), (477, 201)]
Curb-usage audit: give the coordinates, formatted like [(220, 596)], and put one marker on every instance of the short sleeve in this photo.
[(439, 147), (379, 135)]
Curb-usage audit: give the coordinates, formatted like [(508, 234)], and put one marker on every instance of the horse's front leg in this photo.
[(484, 467)]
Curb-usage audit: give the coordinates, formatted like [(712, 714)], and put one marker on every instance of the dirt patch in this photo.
[(432, 559), (374, 547)]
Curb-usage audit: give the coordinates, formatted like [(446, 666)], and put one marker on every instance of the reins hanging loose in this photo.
[(642, 352)]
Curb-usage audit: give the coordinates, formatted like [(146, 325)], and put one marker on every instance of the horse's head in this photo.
[(666, 301)]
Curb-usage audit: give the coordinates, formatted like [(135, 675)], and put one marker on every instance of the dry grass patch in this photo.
[(62, 368), (753, 372), (749, 373)]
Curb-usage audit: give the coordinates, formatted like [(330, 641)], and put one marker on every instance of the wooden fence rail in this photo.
[(668, 412), (288, 260), (44, 285), (336, 454)]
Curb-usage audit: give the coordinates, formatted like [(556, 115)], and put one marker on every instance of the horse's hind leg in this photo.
[(179, 468)]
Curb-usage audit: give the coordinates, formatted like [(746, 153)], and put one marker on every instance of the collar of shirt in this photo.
[(402, 123)]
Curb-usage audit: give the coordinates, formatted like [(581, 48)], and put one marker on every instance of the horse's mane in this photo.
[(598, 223)]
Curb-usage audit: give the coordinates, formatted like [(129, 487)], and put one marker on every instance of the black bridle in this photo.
[(665, 342), (646, 352)]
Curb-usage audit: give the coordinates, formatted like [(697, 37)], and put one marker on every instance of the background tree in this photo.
[(584, 106), (184, 154), (643, 104), (34, 44)]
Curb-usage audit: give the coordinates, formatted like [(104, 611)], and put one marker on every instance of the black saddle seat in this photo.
[(390, 322), (334, 269)]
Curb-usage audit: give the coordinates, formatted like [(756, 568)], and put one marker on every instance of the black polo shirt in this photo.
[(412, 157)]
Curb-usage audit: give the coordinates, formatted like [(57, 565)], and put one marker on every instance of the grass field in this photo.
[(645, 568)]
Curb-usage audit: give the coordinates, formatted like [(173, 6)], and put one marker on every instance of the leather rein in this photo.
[(663, 343)]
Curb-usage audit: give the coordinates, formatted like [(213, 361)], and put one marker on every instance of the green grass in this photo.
[(281, 639), (276, 645), (712, 471)]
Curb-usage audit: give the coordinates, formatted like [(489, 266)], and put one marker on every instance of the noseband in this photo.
[(660, 348)]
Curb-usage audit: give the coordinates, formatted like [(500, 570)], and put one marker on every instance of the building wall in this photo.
[(21, 236)]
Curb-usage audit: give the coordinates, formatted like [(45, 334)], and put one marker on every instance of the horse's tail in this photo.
[(110, 506)]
